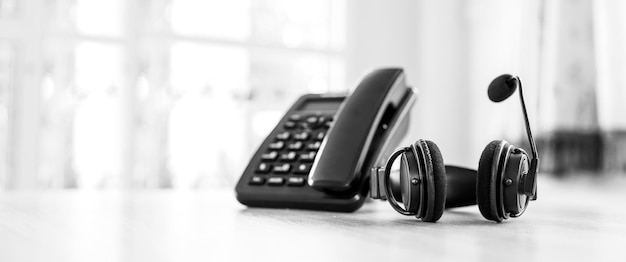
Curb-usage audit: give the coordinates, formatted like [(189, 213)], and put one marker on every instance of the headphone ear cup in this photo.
[(486, 187), (439, 174), (409, 169)]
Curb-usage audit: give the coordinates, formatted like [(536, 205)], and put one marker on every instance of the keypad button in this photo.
[(295, 117), (295, 181), (289, 157), (312, 119), (283, 136), (328, 124), (256, 180), (275, 181), (307, 157), (301, 136), (295, 146), (282, 169), (277, 145), (320, 135), (302, 169), (264, 168), (305, 125), (314, 146), (271, 156), (323, 119), (290, 124)]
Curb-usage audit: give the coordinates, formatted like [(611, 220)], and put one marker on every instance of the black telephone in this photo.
[(320, 154)]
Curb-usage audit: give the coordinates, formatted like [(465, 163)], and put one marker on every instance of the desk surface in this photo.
[(571, 220)]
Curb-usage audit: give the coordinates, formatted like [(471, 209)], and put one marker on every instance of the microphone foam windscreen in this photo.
[(502, 87)]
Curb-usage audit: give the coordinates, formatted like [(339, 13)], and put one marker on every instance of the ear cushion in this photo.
[(439, 174), (486, 183)]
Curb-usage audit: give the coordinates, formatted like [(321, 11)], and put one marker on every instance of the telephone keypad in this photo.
[(288, 158)]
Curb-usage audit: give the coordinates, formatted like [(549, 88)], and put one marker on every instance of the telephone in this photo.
[(320, 154)]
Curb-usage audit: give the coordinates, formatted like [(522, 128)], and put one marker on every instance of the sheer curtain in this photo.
[(461, 46), (568, 54), (582, 106), (609, 40)]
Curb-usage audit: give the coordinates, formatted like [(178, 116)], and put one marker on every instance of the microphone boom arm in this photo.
[(530, 184)]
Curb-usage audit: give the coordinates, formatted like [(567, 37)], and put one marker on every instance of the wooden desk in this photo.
[(572, 221)]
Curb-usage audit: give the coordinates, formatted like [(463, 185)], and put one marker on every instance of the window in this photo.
[(158, 93)]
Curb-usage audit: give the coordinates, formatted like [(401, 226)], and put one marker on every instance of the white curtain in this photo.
[(569, 55), (610, 42), (451, 51)]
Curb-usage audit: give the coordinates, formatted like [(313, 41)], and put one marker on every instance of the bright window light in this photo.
[(102, 18), (205, 77), (293, 24), (7, 63), (147, 106), (222, 69), (212, 18), (292, 74), (97, 123), (98, 67)]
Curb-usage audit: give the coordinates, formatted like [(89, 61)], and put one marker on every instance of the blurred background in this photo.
[(179, 94)]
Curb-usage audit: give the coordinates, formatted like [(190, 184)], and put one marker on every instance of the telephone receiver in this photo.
[(363, 131), (320, 153)]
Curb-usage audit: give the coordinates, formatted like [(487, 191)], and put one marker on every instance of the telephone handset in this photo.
[(320, 154)]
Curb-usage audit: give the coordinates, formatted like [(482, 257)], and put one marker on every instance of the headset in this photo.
[(503, 185)]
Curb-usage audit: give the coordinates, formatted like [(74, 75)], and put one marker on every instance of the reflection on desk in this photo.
[(570, 221)]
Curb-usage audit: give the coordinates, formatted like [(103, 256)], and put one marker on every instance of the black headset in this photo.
[(502, 186)]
